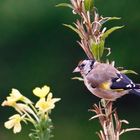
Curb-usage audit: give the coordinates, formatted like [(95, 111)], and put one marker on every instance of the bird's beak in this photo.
[(76, 70)]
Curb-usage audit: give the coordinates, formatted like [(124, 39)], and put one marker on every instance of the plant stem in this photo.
[(109, 124)]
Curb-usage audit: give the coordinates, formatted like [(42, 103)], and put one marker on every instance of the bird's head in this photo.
[(84, 66)]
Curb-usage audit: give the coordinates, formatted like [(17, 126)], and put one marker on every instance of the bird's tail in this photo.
[(136, 90)]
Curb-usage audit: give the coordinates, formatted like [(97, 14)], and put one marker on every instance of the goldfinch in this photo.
[(105, 81)]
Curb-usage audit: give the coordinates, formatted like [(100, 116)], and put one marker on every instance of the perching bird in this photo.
[(105, 81)]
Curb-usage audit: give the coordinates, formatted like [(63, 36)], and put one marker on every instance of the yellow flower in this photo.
[(15, 96), (8, 103), (41, 92), (22, 108), (14, 122), (45, 106)]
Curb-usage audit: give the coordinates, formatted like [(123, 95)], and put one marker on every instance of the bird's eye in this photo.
[(82, 65)]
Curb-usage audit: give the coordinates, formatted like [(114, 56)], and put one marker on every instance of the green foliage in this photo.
[(73, 28), (78, 78), (105, 19), (64, 5), (42, 130), (108, 32), (128, 72), (89, 5), (98, 49)]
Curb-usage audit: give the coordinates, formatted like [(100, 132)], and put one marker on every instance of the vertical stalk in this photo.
[(109, 124)]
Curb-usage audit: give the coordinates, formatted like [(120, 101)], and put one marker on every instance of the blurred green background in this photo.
[(35, 49)]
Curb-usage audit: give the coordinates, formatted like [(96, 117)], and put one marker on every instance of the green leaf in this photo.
[(97, 49), (78, 78), (128, 72), (64, 5), (101, 48), (108, 32), (114, 18), (105, 19), (88, 4), (73, 28)]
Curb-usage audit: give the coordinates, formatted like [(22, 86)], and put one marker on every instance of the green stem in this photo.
[(30, 118), (34, 112), (42, 130), (33, 108)]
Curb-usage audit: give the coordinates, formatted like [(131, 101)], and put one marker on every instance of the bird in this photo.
[(105, 81)]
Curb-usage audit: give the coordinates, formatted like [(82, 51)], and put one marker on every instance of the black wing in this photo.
[(122, 82)]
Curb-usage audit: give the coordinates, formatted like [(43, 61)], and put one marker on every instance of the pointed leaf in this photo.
[(89, 4), (105, 19), (97, 116), (128, 72), (64, 5), (78, 78), (101, 48), (97, 49), (108, 32), (114, 18), (128, 130), (73, 28)]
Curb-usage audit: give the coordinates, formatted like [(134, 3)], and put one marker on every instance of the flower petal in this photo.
[(16, 94), (46, 89), (14, 122), (41, 92), (20, 107), (17, 128), (49, 97), (9, 124), (54, 100)]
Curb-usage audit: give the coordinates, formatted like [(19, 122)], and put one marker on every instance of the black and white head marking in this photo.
[(86, 66)]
